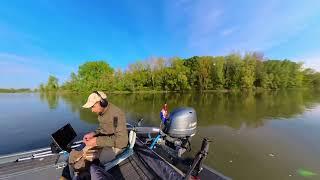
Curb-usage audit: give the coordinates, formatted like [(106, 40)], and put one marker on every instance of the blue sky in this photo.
[(39, 38)]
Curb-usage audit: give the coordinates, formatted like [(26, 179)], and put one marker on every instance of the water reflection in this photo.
[(233, 109), (51, 98), (75, 102)]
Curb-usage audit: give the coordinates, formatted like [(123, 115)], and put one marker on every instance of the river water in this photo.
[(261, 135)]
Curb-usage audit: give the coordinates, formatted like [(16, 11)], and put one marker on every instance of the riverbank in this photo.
[(11, 90), (151, 91)]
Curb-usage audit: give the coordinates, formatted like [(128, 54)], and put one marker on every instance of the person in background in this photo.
[(164, 115)]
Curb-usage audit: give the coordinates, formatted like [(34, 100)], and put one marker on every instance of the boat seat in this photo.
[(125, 154)]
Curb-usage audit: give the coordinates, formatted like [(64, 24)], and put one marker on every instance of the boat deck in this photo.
[(131, 168), (42, 168), (144, 164)]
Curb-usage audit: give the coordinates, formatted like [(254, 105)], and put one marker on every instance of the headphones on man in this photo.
[(103, 101)]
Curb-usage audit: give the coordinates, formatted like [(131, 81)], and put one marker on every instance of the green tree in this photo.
[(311, 78), (41, 87), (95, 75), (205, 66), (248, 71), (232, 71), (52, 84), (157, 66), (192, 75), (72, 84), (217, 74), (175, 76), (140, 73), (260, 74)]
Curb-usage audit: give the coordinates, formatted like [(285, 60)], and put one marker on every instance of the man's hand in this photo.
[(91, 142), (88, 136)]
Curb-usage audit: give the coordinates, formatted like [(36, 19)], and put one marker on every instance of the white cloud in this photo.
[(260, 26), (273, 23), (194, 22), (203, 24), (311, 61), (228, 31)]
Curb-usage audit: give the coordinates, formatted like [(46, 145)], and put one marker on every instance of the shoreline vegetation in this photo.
[(234, 72), (12, 90), (62, 92)]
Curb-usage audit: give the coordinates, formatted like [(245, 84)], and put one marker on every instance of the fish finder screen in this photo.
[(64, 136)]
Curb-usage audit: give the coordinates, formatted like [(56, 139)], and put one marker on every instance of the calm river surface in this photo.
[(266, 135)]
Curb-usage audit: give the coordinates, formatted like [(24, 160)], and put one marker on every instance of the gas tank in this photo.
[(182, 122)]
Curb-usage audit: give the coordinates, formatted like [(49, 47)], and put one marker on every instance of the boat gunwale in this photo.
[(16, 156)]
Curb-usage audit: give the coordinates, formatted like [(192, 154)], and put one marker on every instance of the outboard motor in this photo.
[(179, 128)]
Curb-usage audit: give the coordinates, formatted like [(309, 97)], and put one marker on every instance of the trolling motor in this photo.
[(196, 166)]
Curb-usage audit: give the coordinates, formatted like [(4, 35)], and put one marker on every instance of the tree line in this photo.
[(234, 71), (12, 90)]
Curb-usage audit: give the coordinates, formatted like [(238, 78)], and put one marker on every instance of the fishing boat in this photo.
[(152, 153)]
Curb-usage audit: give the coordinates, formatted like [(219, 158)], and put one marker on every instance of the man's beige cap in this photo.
[(93, 98)]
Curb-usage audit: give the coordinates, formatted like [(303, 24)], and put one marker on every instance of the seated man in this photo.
[(112, 133), (103, 144)]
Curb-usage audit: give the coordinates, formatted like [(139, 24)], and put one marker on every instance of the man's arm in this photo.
[(90, 135), (103, 141)]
